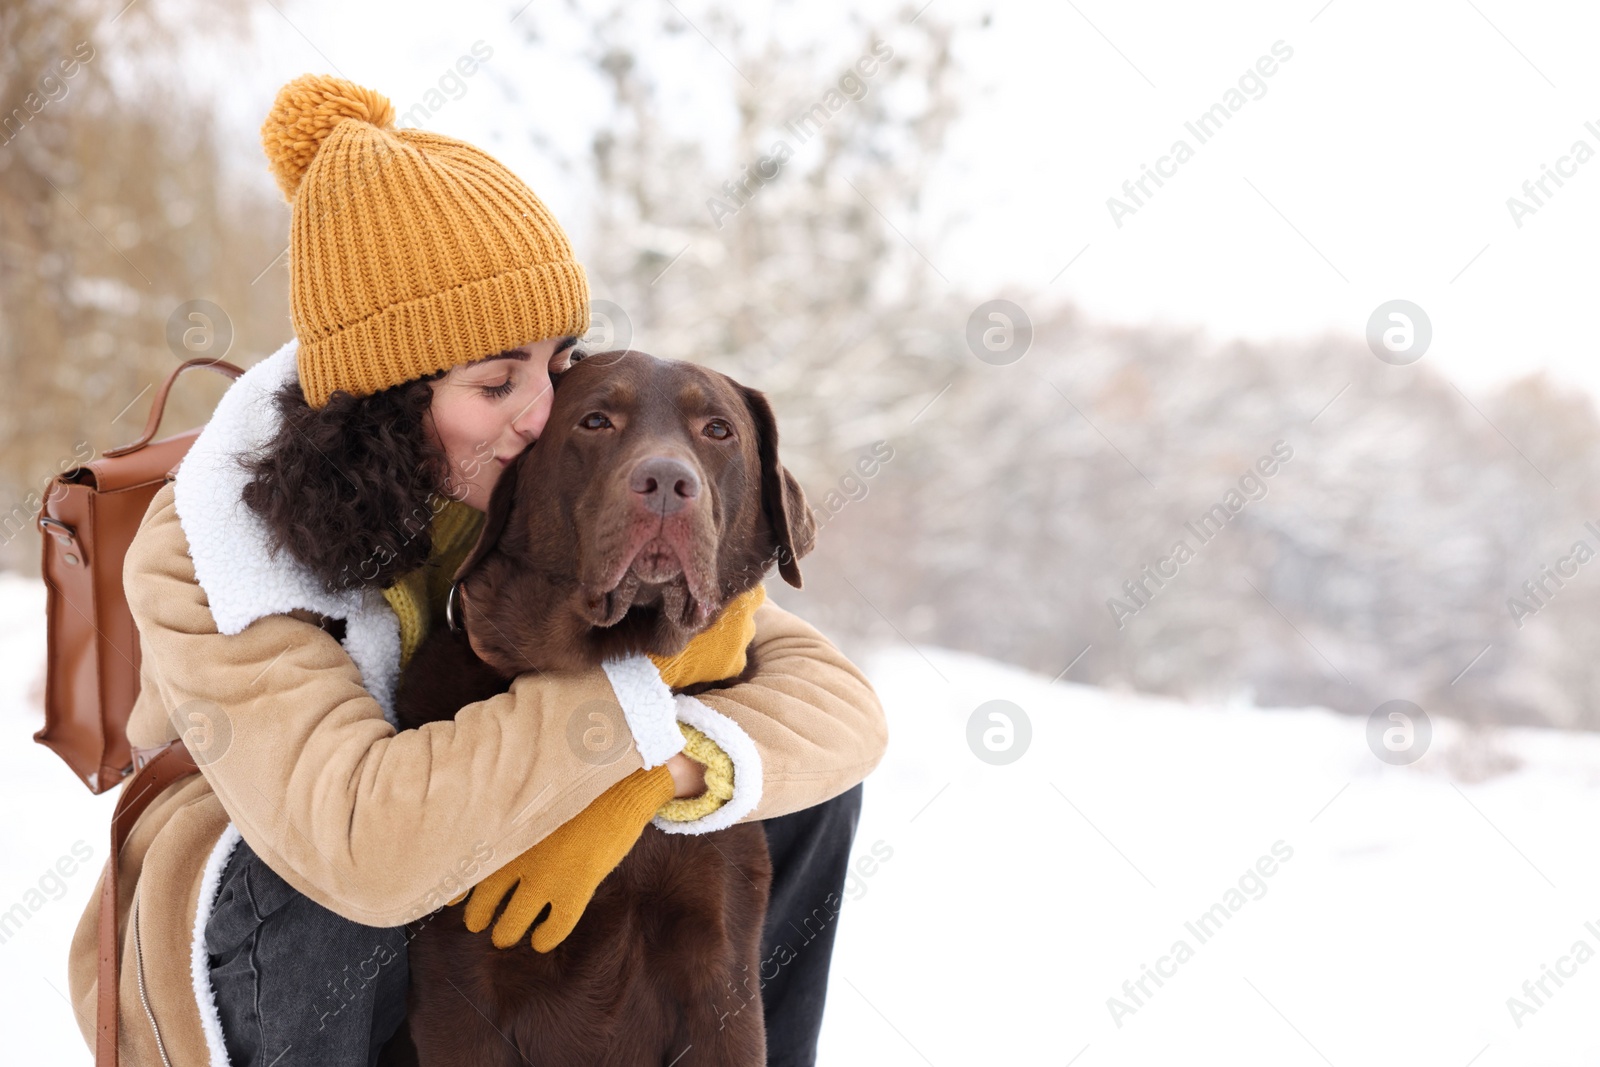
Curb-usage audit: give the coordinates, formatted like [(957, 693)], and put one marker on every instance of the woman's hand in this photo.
[(562, 871), (688, 776)]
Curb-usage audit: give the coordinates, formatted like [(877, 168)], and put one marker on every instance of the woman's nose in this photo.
[(530, 422)]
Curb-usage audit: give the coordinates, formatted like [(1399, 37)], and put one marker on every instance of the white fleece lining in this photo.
[(647, 705), (232, 551), (199, 963), (746, 768)]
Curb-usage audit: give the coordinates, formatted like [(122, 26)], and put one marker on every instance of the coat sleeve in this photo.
[(377, 826)]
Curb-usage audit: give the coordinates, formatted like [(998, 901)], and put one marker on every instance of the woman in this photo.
[(284, 575)]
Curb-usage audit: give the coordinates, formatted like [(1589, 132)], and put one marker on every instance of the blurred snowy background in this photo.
[(827, 202)]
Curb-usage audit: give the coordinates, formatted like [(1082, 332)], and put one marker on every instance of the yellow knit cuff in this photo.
[(719, 779)]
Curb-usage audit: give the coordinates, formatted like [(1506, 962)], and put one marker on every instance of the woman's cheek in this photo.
[(483, 455)]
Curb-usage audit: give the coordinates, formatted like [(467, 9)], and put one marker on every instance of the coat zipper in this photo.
[(138, 958)]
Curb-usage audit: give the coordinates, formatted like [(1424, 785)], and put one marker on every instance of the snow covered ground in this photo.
[(1020, 898), (1369, 914)]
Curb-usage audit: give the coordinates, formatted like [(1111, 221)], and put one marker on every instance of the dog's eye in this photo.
[(595, 421), (718, 429)]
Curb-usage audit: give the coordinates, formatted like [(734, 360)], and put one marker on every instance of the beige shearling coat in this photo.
[(380, 826)]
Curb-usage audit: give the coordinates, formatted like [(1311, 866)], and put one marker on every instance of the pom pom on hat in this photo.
[(305, 112)]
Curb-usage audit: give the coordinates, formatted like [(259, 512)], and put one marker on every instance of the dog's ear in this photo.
[(781, 496)]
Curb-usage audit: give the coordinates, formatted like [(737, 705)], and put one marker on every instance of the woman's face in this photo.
[(485, 413)]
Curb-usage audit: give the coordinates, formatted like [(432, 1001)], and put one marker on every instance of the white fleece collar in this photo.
[(233, 560)]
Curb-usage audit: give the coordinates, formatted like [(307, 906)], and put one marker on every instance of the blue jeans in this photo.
[(297, 984)]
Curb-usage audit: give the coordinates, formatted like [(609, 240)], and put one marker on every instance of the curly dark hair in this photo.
[(350, 488)]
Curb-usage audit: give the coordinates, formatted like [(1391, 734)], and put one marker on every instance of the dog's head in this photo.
[(653, 497)]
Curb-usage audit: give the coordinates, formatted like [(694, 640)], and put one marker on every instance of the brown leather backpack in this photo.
[(92, 663), (89, 518)]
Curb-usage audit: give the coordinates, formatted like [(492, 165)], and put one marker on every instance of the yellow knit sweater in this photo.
[(418, 601)]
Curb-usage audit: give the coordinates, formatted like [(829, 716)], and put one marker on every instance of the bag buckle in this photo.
[(65, 535)]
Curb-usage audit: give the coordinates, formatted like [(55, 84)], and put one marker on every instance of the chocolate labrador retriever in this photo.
[(653, 498)]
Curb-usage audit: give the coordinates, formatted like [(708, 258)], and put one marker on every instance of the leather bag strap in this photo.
[(171, 762), (159, 405)]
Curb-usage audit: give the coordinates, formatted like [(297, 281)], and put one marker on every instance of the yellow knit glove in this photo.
[(563, 870), (717, 652)]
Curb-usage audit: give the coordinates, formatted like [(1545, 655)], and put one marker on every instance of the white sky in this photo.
[(1390, 141)]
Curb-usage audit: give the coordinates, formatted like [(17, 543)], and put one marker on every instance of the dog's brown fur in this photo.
[(613, 535)]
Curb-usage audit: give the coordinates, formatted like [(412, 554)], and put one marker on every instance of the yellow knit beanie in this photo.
[(409, 252)]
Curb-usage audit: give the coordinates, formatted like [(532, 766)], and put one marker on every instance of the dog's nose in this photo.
[(664, 485)]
